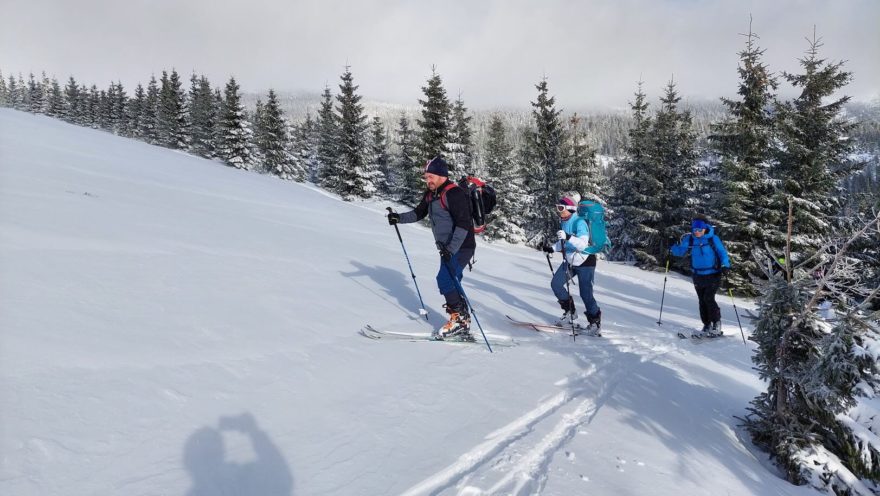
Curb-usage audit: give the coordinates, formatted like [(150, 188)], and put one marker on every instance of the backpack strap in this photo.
[(443, 194), (711, 245)]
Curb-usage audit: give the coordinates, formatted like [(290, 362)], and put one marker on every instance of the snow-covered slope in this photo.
[(169, 325)]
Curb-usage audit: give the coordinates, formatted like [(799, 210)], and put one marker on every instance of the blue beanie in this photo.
[(699, 224), (437, 166)]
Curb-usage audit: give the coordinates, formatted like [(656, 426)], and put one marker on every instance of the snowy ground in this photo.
[(173, 326)]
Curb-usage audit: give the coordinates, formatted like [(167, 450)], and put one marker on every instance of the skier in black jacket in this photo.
[(448, 207)]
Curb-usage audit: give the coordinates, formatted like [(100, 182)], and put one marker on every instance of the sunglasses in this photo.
[(563, 208)]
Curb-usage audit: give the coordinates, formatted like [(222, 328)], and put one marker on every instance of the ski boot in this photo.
[(715, 331), (458, 325), (705, 332), (594, 328), (569, 314)]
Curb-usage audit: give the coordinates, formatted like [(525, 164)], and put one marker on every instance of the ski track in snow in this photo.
[(519, 452)]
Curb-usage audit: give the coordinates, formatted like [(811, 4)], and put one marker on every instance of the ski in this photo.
[(701, 338), (370, 332), (579, 331)]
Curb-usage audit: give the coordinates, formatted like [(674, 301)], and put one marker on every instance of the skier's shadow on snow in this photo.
[(395, 283), (264, 471)]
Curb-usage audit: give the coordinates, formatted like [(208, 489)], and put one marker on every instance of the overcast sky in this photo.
[(492, 52)]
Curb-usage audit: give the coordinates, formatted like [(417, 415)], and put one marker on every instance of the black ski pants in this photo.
[(707, 285)]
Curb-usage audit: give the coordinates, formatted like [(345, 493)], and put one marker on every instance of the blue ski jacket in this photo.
[(708, 254)]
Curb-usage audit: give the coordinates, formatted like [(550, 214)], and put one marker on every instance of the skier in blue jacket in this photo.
[(580, 259), (709, 262)]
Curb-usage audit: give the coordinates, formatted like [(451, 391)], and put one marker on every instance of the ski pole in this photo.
[(422, 311), (663, 296), (549, 263), (735, 312), (568, 290), (467, 302)]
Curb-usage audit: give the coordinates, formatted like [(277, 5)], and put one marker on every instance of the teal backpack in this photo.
[(594, 214)]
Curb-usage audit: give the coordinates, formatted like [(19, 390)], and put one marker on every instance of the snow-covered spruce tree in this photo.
[(54, 99), (388, 181), (256, 121), (543, 162), (304, 143), (674, 160), (36, 95), (23, 95), (118, 101), (328, 143), (72, 102), (744, 143), (507, 181), (202, 117), (815, 371), (581, 169), (636, 191), (434, 125), (235, 131), (135, 112), (172, 112), (461, 141), (150, 113), (275, 144), (812, 157), (93, 108), (357, 176), (4, 92), (407, 163)]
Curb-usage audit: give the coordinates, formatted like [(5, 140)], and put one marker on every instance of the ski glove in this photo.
[(725, 271), (444, 252), (393, 218), (547, 248), (562, 235)]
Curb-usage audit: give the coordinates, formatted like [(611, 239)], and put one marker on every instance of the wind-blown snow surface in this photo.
[(173, 326)]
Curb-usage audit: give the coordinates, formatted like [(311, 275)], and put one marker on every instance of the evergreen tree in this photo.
[(275, 143), (636, 191), (13, 94), (674, 159), (135, 112), (73, 102), (407, 163), (503, 174), (24, 95), (35, 95), (378, 142), (4, 92), (813, 155), (54, 99), (202, 117), (357, 176), (461, 145), (305, 146), (581, 170), (257, 123), (103, 114), (93, 108), (743, 142), (543, 161), (172, 111), (815, 371), (236, 134), (150, 120), (328, 143), (118, 109), (434, 132)]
